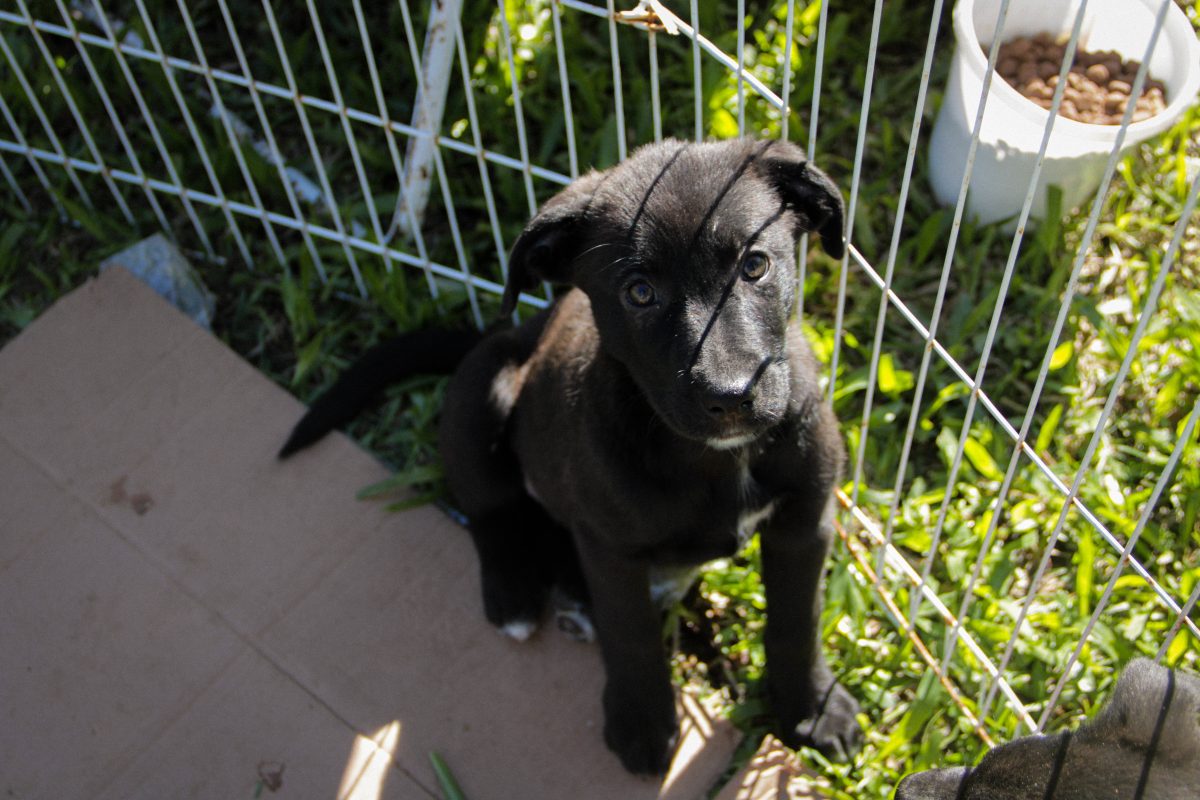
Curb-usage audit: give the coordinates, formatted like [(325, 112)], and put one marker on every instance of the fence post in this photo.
[(433, 84)]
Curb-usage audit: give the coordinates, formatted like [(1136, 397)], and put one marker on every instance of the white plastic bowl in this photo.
[(1013, 126)]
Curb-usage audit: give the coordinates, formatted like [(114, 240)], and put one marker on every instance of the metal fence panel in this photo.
[(310, 192)]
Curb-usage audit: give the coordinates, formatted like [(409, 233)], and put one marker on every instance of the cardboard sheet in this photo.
[(181, 615)]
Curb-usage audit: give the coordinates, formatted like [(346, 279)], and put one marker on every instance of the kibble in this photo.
[(1098, 84), (1097, 74)]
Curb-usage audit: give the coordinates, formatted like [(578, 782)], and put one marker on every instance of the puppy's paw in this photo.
[(830, 727), (512, 604), (643, 750), (519, 630), (576, 624), (643, 740)]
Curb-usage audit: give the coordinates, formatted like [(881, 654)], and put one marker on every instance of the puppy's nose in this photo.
[(721, 401)]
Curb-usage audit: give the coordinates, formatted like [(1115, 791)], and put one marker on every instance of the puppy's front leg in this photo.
[(812, 707), (639, 704)]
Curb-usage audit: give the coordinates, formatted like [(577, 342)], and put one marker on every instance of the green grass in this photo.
[(303, 332)]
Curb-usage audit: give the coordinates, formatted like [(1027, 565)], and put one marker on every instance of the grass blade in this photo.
[(450, 787)]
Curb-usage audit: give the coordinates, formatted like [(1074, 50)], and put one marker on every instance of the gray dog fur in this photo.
[(1144, 745)]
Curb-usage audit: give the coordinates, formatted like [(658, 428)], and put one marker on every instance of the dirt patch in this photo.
[(140, 502), (270, 776)]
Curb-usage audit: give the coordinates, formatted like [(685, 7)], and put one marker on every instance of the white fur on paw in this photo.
[(576, 624), (519, 629)]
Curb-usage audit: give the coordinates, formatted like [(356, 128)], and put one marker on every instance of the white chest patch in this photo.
[(749, 521), (668, 585)]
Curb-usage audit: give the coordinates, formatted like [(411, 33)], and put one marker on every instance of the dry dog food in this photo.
[(1098, 85)]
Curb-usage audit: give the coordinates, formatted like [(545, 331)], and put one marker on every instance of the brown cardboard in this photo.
[(181, 615)]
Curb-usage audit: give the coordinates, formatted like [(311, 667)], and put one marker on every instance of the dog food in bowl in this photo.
[(1098, 85)]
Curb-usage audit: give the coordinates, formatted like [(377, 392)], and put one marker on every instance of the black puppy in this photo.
[(657, 414), (1144, 745)]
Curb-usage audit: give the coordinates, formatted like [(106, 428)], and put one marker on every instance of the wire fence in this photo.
[(316, 135)]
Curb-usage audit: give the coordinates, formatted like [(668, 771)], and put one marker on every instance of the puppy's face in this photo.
[(686, 253), (691, 283)]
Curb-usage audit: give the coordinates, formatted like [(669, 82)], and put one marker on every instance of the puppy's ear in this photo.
[(550, 242), (808, 192)]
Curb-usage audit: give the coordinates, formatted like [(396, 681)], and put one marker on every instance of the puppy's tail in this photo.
[(428, 352)]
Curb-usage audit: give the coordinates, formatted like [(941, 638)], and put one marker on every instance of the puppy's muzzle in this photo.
[(740, 405), (726, 397), (722, 402)]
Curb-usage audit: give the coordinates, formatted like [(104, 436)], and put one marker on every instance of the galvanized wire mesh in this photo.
[(228, 85)]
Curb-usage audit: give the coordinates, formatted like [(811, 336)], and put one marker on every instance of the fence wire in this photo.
[(300, 176)]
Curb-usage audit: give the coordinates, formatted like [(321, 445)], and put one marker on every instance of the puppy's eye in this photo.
[(640, 294), (754, 266)]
